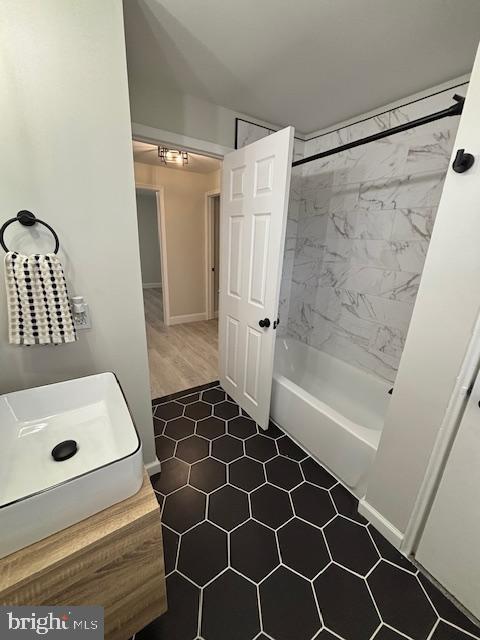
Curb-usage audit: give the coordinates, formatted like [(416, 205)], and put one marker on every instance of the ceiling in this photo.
[(309, 63), (148, 154)]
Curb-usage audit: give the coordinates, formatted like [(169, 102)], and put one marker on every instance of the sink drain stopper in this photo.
[(64, 450)]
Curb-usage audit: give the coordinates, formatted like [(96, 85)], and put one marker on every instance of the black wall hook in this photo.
[(463, 161)]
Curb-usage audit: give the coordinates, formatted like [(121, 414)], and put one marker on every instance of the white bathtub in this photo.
[(332, 409)]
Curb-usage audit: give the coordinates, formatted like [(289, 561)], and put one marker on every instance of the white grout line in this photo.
[(370, 571), (317, 604), (260, 612), (326, 544), (200, 612), (242, 575), (373, 599), (430, 635), (400, 633), (334, 633), (376, 631)]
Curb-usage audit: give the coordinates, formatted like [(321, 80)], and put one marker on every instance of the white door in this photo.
[(256, 184), (450, 545)]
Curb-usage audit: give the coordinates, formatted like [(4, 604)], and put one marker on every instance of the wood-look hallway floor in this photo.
[(180, 356)]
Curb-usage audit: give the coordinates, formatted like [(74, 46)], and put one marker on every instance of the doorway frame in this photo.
[(153, 135), (160, 205), (209, 254)]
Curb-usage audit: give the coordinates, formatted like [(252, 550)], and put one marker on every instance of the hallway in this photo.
[(180, 356)]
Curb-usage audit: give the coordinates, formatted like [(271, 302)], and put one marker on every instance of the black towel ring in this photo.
[(28, 219)]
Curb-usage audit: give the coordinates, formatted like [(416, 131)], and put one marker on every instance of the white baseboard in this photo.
[(192, 317), (386, 528), (152, 285), (153, 467)]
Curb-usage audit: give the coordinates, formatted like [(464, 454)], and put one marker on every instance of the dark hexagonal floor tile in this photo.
[(283, 472), (271, 505), (208, 475), (230, 609), (226, 410), (260, 448), (346, 503), (246, 474), (211, 427), (170, 548), (192, 449), (168, 410), (316, 474), (213, 396), (351, 545), (445, 632), (401, 601), (173, 475), (272, 432), (303, 548), (192, 397), (388, 551), (198, 410), (445, 607), (228, 507), (179, 428), (203, 553), (242, 427), (184, 508), (325, 635), (288, 606), (158, 426), (227, 448), (164, 447), (181, 619), (253, 550), (289, 449), (313, 504), (345, 604)]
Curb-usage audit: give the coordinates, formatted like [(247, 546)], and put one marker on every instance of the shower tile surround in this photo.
[(263, 543), (363, 220), (358, 230)]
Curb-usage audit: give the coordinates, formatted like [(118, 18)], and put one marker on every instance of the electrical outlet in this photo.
[(81, 313)]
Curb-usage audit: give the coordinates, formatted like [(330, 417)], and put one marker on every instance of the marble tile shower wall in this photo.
[(358, 232)]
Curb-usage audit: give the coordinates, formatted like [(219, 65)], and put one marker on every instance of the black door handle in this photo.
[(264, 323)]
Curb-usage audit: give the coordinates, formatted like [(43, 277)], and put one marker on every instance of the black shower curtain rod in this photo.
[(454, 110)]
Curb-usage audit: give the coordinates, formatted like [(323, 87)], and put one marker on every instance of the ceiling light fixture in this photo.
[(172, 156)]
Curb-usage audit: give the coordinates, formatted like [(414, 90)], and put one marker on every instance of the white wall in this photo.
[(67, 156), (441, 328), (148, 237), (184, 197), (164, 108)]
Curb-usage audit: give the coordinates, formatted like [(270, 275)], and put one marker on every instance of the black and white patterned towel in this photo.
[(39, 309)]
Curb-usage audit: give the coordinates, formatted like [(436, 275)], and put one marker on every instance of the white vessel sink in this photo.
[(40, 495)]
